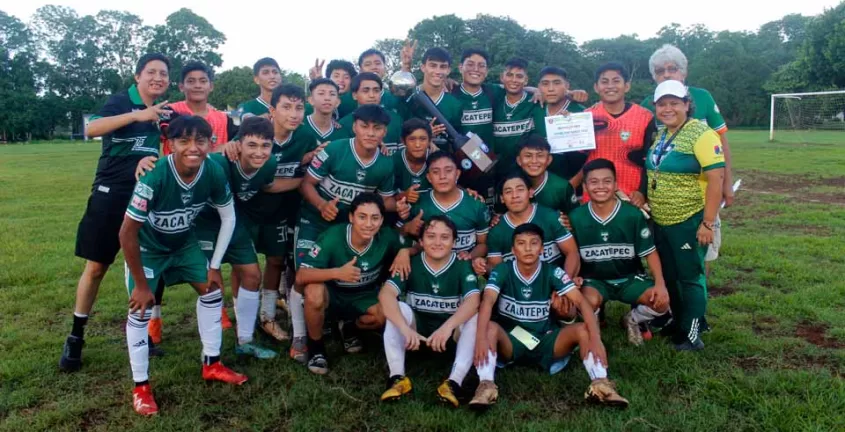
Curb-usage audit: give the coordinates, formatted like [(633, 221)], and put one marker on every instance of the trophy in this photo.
[(402, 84)]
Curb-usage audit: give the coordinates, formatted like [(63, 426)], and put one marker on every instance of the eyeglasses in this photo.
[(670, 69)]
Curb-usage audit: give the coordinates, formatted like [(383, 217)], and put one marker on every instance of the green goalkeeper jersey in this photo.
[(167, 205), (611, 248), (510, 123), (500, 239), (526, 301), (556, 193), (254, 107), (392, 139), (470, 216)]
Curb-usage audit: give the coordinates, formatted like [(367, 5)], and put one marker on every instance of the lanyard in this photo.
[(661, 150)]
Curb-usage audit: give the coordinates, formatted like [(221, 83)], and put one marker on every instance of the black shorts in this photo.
[(97, 238)]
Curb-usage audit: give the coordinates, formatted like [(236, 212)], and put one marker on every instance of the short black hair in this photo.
[(442, 219), (342, 65), (515, 173), (367, 198), (440, 154), (554, 70), (369, 52), (256, 126), (613, 66), (475, 51), (150, 57), (372, 113), (437, 54), (516, 63), (533, 141), (193, 66), (187, 126), (414, 124), (291, 91), (528, 228), (322, 81), (597, 164), (266, 61), (365, 76)]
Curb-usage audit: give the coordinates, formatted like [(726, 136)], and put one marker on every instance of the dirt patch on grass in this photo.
[(796, 187), (721, 291), (763, 325), (814, 333)]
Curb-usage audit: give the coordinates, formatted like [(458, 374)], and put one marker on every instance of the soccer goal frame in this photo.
[(798, 96)]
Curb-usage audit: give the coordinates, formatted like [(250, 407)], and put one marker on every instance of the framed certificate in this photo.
[(572, 132)]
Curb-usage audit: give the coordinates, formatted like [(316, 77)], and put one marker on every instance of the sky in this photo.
[(296, 32)]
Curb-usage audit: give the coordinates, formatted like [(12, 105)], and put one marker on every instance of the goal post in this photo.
[(804, 113)]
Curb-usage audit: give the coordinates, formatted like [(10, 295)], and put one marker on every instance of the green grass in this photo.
[(774, 361)]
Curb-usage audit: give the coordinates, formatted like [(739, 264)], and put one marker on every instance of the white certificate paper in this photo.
[(573, 132)]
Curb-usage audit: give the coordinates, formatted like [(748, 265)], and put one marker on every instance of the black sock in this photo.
[(316, 347), (159, 294), (139, 384), (79, 322), (210, 360)]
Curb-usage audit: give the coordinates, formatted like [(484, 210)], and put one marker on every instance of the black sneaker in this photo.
[(698, 345), (71, 360), (318, 364), (154, 350), (351, 342)]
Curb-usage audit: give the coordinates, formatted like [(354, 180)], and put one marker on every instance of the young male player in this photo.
[(159, 244), (441, 303), (409, 163), (324, 97), (523, 289), (197, 83), (129, 124), (551, 191), (367, 89), (341, 274), (613, 236), (370, 61), (267, 75), (514, 117), (341, 72)]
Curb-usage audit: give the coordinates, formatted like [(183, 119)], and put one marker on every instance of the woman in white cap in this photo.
[(685, 168)]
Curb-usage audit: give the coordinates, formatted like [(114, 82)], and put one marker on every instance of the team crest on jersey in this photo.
[(562, 275), (244, 186), (474, 104), (645, 233), (471, 278), (416, 180), (365, 265), (605, 235), (526, 291), (435, 288), (466, 164), (625, 135), (187, 197), (214, 139), (360, 175)]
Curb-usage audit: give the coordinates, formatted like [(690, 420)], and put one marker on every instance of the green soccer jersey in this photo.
[(243, 186), (405, 177), (448, 105), (254, 107), (556, 193), (510, 123), (470, 216), (436, 295), (611, 248), (348, 105), (500, 239), (706, 109), (334, 249), (525, 301), (392, 140), (168, 206), (333, 134), (477, 114), (342, 174)]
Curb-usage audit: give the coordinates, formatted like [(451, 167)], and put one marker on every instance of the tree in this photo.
[(17, 79), (392, 50), (123, 38), (233, 87)]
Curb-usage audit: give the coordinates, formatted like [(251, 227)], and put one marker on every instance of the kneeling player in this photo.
[(523, 328), (341, 274), (159, 243), (442, 299), (612, 237)]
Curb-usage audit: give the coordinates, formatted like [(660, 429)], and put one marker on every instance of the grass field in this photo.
[(774, 361)]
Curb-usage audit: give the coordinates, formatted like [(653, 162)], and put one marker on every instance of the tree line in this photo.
[(61, 65)]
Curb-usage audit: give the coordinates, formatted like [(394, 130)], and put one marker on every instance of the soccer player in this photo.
[(409, 163), (612, 237), (514, 117), (551, 191), (559, 248), (370, 61), (341, 272), (470, 216), (441, 303), (267, 75), (367, 89), (341, 73), (324, 97), (129, 124), (159, 244), (522, 330)]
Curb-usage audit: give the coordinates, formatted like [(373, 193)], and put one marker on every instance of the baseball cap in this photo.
[(670, 88)]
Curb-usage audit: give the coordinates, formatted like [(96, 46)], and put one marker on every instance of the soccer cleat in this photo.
[(690, 346), (254, 350), (635, 336), (351, 343), (153, 349), (646, 331), (603, 391), (299, 350), (225, 322), (218, 372), (71, 360), (318, 364), (397, 386), (154, 330), (272, 328), (447, 392), (143, 401), (485, 395)]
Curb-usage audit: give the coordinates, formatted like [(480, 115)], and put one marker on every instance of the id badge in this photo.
[(526, 338)]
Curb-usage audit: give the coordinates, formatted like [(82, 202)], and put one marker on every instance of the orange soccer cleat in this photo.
[(224, 319), (218, 372), (143, 402)]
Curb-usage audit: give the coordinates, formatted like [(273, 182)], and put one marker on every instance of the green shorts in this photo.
[(349, 305), (305, 234), (187, 265), (240, 251), (627, 290), (425, 325), (543, 354), (270, 239)]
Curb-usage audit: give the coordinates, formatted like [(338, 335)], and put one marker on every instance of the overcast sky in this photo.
[(295, 31)]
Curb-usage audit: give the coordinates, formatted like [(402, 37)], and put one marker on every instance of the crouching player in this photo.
[(159, 243), (523, 329), (442, 299), (612, 237), (341, 275)]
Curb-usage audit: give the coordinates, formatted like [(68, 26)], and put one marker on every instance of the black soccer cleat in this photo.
[(154, 350), (71, 360)]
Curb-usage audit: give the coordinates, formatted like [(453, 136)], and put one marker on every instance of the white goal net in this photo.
[(808, 117)]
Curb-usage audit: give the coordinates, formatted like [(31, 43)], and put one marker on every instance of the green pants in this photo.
[(682, 259)]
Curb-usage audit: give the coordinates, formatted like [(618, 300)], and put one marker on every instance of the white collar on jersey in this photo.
[(349, 241), (533, 277), (610, 217), (443, 269), (530, 218), (451, 207), (358, 159), (179, 179)]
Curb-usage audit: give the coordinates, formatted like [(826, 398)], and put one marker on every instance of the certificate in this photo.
[(573, 132)]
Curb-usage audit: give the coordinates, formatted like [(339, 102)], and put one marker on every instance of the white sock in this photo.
[(136, 341), (246, 311), (209, 309), (296, 303), (284, 285), (235, 302), (486, 372), (156, 312), (268, 304), (643, 313), (594, 367), (394, 342), (465, 351)]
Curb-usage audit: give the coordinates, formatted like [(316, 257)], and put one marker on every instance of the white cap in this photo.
[(670, 88)]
